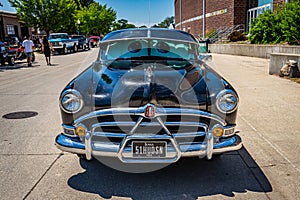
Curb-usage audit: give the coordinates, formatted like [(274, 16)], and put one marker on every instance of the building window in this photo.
[(10, 30)]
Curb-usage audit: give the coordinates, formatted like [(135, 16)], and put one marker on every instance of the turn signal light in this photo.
[(80, 131), (218, 132)]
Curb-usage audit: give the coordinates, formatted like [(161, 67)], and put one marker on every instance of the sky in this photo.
[(135, 11)]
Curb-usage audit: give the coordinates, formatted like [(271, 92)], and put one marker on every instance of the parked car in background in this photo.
[(94, 41), (83, 42), (6, 55), (148, 99), (12, 41), (62, 43)]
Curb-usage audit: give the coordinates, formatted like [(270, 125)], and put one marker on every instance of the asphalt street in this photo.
[(31, 167)]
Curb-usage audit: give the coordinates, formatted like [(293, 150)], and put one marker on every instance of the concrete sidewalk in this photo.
[(269, 116)]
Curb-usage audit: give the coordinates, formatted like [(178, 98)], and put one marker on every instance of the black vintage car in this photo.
[(149, 98)]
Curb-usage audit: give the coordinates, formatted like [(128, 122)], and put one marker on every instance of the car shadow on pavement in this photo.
[(189, 178)]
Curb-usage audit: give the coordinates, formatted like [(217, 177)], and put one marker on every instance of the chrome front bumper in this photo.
[(190, 138), (123, 151)]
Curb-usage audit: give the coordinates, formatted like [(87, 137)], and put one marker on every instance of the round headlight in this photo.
[(227, 101), (71, 101)]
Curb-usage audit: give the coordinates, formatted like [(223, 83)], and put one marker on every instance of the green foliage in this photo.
[(47, 15), (1, 4), (290, 24), (166, 22), (96, 19), (62, 15), (278, 27), (122, 24), (83, 3)]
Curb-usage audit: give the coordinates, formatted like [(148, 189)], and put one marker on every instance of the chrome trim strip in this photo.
[(105, 112), (189, 112), (179, 123), (122, 135), (163, 125), (159, 112), (136, 126), (183, 135), (68, 127), (108, 134)]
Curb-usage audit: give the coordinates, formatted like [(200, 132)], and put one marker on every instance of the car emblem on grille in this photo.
[(149, 72), (150, 111)]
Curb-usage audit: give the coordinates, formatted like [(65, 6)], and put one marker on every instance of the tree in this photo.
[(290, 25), (1, 4), (167, 22), (122, 24), (96, 19), (278, 27), (84, 3), (47, 15)]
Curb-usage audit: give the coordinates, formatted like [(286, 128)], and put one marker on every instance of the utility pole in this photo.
[(149, 13), (180, 14), (203, 19)]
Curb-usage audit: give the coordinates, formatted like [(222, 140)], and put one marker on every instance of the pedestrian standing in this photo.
[(47, 50), (28, 45)]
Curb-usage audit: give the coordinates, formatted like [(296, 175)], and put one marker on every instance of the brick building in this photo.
[(10, 26), (218, 13)]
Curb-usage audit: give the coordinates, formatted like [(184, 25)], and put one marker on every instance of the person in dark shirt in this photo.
[(46, 48)]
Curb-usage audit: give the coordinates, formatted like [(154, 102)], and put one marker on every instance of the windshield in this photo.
[(58, 36), (130, 53), (77, 37), (175, 53)]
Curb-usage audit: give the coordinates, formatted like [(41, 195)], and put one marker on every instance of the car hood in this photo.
[(136, 87)]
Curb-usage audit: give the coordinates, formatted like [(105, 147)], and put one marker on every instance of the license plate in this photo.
[(149, 149)]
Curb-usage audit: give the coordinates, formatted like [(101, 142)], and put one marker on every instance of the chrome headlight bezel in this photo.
[(77, 98), (225, 94)]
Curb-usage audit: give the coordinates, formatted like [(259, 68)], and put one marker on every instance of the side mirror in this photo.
[(205, 57)]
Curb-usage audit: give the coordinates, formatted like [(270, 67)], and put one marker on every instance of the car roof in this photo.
[(77, 36), (58, 33), (158, 33)]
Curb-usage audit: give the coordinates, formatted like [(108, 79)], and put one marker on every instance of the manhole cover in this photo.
[(20, 115)]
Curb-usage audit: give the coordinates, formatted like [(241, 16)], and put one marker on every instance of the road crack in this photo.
[(43, 175)]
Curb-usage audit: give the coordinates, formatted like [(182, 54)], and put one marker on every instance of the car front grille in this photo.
[(187, 126), (55, 44)]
